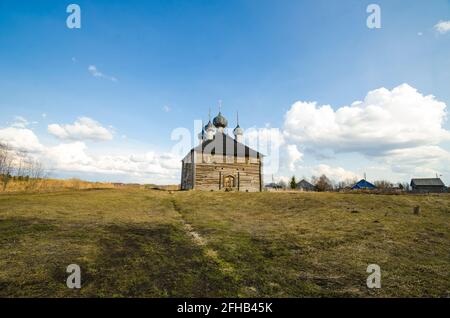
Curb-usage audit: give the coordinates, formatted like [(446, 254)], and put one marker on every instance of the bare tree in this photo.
[(405, 186), (348, 183), (18, 165), (323, 183), (383, 184), (35, 174), (6, 165)]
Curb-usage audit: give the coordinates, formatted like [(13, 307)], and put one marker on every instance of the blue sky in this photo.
[(172, 60)]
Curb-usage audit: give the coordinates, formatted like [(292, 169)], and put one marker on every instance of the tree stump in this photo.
[(417, 210)]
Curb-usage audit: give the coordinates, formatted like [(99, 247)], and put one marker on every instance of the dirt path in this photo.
[(202, 242)]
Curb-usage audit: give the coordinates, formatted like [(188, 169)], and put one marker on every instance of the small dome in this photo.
[(238, 131), (220, 121), (209, 126), (202, 134)]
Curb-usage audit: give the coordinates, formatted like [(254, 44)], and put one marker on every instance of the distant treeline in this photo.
[(324, 184)]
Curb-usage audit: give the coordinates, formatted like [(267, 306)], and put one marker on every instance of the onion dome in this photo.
[(202, 134), (238, 131), (209, 126), (220, 121)]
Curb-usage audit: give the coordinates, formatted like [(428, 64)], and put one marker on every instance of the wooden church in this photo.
[(221, 162)]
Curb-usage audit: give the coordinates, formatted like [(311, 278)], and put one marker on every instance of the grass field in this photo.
[(148, 243)]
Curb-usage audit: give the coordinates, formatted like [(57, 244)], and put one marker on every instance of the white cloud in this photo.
[(20, 122), (96, 73), (166, 108), (84, 128), (399, 129), (442, 27), (385, 120), (21, 139), (334, 173), (263, 139), (71, 156), (293, 156), (74, 157), (269, 142), (421, 161)]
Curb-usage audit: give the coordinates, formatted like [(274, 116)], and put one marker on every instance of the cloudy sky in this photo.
[(110, 101)]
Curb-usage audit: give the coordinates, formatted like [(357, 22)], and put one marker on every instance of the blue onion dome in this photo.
[(209, 126), (238, 130), (220, 121)]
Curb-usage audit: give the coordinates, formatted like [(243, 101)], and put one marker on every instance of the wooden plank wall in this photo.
[(187, 176), (207, 176)]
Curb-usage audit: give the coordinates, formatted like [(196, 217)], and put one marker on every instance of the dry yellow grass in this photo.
[(51, 185), (148, 243)]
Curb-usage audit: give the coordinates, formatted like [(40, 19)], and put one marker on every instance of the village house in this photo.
[(363, 184), (428, 185), (305, 186), (220, 162)]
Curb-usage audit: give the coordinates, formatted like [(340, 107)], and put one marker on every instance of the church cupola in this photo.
[(238, 131), (219, 121), (209, 128), (202, 136)]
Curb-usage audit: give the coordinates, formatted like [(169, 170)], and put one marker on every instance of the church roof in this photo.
[(223, 144)]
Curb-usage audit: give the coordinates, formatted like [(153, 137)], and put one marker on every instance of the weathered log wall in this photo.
[(211, 175), (187, 176)]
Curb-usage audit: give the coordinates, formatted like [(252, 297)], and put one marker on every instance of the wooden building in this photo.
[(428, 185), (222, 163), (363, 185), (305, 186)]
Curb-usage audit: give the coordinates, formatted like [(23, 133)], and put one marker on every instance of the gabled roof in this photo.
[(304, 184), (363, 184), (427, 182), (223, 144)]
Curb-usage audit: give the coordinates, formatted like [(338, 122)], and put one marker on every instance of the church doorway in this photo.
[(228, 182)]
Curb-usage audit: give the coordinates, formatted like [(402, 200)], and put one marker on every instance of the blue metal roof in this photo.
[(363, 184)]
